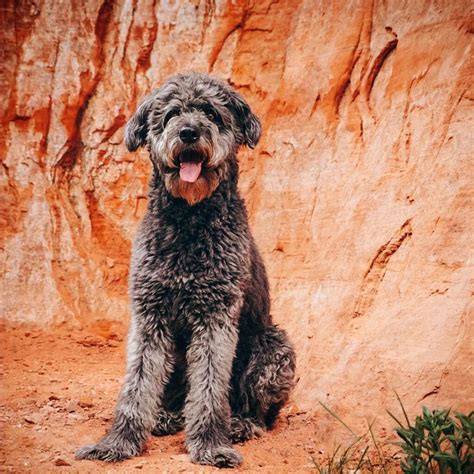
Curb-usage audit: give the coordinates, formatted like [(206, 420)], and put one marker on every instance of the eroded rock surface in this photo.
[(360, 192)]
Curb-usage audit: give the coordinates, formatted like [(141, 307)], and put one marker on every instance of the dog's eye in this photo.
[(212, 115), (169, 116)]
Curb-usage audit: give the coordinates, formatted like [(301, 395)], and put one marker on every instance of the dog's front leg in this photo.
[(207, 412), (149, 365)]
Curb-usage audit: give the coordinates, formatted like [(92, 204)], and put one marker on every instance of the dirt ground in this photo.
[(58, 391)]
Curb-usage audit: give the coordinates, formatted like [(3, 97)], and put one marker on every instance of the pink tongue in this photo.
[(190, 171)]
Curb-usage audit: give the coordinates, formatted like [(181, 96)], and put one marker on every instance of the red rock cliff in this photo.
[(360, 192)]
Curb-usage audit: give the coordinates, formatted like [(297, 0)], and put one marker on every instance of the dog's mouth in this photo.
[(190, 165)]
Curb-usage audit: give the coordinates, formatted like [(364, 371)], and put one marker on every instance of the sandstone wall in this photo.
[(360, 192)]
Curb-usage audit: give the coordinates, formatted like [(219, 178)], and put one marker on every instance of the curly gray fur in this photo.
[(203, 352)]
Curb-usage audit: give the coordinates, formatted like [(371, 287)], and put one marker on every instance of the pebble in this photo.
[(61, 462), (34, 418), (86, 402), (77, 417), (181, 457), (72, 406)]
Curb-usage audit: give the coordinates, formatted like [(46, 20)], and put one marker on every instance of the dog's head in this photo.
[(193, 125)]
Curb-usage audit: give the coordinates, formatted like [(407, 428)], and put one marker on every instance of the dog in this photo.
[(203, 353)]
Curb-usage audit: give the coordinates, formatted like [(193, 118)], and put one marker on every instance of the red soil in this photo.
[(58, 393)]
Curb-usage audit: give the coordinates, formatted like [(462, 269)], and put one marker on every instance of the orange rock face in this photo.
[(359, 193)]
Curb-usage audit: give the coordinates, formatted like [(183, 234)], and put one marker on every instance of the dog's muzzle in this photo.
[(190, 160)]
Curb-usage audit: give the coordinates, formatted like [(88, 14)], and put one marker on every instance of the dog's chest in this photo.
[(194, 250), (199, 274), (195, 261), (190, 270)]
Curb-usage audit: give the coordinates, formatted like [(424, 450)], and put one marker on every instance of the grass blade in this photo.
[(361, 460), (379, 451), (336, 417), (395, 418), (403, 409)]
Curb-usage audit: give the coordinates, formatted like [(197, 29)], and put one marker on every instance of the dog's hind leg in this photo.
[(264, 385), (150, 362)]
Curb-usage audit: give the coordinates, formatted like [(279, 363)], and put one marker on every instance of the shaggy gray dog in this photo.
[(203, 353)]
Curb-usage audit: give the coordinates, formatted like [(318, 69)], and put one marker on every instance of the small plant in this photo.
[(354, 458), (436, 442)]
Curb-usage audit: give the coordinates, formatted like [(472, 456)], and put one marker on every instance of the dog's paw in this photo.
[(221, 456), (243, 429), (168, 423), (106, 452)]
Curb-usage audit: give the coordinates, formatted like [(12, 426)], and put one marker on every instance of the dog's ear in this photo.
[(247, 120), (137, 127)]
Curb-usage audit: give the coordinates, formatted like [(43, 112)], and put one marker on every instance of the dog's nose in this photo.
[(189, 135)]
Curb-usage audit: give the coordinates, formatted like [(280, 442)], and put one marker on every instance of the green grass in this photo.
[(355, 457), (436, 442)]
